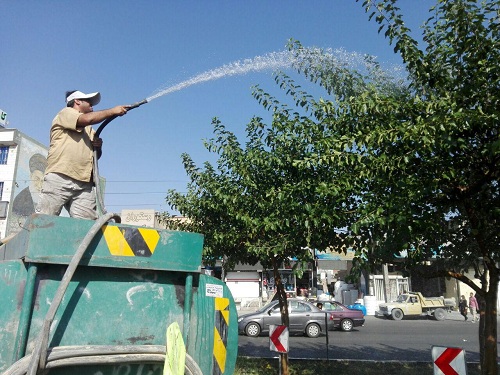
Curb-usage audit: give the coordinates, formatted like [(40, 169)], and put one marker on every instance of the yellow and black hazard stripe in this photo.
[(220, 335), (129, 241)]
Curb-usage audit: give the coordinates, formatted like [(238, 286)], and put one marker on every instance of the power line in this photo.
[(135, 181), (135, 205), (152, 181), (142, 192)]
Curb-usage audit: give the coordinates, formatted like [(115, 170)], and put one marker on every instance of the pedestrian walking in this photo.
[(473, 307), (462, 306)]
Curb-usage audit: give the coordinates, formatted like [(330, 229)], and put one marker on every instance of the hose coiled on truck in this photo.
[(91, 355)]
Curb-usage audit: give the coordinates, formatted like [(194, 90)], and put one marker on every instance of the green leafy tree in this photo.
[(381, 166), (256, 204), (427, 169), (271, 200)]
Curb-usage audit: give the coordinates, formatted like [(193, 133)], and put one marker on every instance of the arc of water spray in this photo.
[(274, 60)]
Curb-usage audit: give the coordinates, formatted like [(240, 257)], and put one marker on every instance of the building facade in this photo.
[(22, 165)]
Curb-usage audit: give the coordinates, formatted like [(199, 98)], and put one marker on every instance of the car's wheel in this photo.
[(252, 329), (346, 325), (313, 330), (397, 314), (439, 314)]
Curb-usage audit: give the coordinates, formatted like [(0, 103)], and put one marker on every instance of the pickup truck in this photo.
[(415, 304)]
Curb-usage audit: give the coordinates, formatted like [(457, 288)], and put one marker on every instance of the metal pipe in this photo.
[(26, 313), (138, 104), (188, 293)]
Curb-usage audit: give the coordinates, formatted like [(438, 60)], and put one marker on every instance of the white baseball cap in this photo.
[(94, 98)]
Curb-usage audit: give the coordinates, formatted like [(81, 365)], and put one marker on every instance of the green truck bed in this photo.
[(130, 285)]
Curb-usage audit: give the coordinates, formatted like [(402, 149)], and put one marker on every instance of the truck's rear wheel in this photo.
[(397, 314), (439, 314)]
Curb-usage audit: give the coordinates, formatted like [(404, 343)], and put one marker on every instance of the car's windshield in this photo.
[(402, 298), (266, 307)]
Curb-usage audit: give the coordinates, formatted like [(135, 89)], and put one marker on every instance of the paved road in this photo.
[(379, 339)]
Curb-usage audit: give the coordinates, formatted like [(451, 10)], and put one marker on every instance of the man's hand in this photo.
[(120, 110), (97, 142)]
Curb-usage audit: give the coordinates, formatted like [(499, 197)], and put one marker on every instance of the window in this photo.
[(336, 307), (4, 153), (3, 204), (299, 307), (3, 209)]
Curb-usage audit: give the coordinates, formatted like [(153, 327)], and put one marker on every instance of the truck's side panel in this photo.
[(12, 281), (114, 297)]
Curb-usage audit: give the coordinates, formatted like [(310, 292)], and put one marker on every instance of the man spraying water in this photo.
[(68, 180), (75, 147)]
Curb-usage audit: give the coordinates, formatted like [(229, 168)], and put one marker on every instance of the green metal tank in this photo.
[(130, 284)]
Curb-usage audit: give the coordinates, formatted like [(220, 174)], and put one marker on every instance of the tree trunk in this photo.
[(488, 329), (280, 290)]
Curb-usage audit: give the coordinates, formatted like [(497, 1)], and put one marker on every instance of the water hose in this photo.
[(95, 170), (39, 354), (105, 355), (109, 119)]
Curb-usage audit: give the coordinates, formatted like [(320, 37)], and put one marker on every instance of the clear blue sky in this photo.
[(128, 50)]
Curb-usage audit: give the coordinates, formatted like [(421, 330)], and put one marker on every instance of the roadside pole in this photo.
[(327, 340)]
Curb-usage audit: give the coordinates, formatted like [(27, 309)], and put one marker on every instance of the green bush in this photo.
[(267, 366)]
